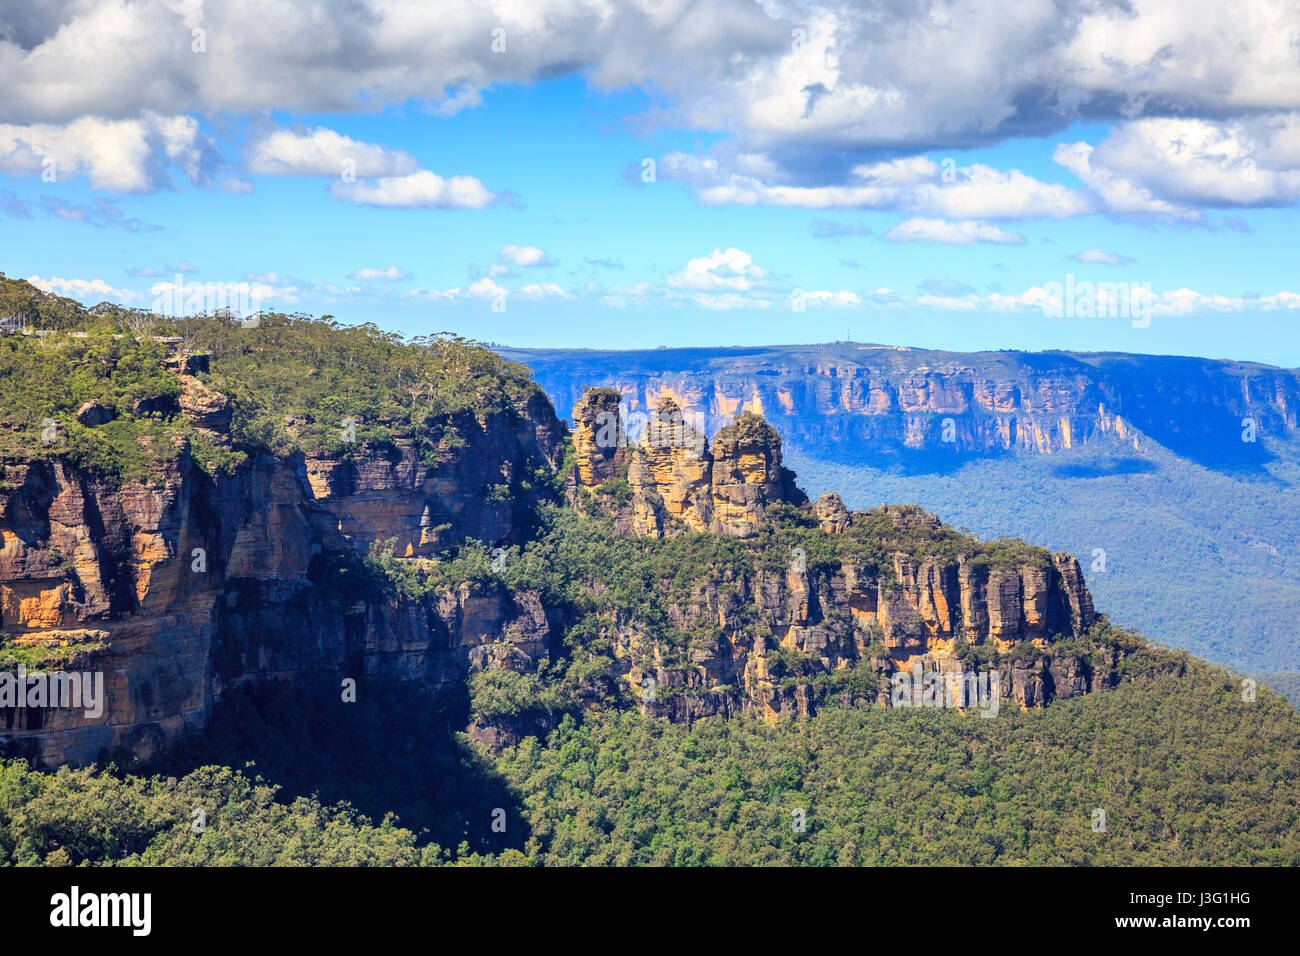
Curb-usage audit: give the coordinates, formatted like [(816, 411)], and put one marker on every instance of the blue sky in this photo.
[(796, 198)]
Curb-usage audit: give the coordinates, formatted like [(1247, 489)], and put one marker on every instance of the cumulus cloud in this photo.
[(808, 97), (722, 281), (88, 57), (522, 256), (124, 156), (86, 290), (324, 152), (484, 288), (914, 185), (1169, 169), (964, 233), (732, 269), (419, 190)]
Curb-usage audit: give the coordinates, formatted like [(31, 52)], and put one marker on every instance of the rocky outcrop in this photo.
[(748, 475), (599, 439), (677, 481), (671, 475), (832, 515), (186, 585)]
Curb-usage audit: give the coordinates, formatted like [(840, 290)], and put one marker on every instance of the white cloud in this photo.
[(964, 233), (732, 269), (210, 295), (544, 290), (522, 256), (826, 298), (419, 190), (324, 152), (915, 185), (112, 87), (487, 289), (391, 274), (1118, 194), (125, 156), (1170, 303), (1101, 257), (1168, 168), (862, 78), (723, 281), (182, 296)]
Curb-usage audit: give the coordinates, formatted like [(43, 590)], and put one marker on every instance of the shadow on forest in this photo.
[(1104, 467), (391, 751)]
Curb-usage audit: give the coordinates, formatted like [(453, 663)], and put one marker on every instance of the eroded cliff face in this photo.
[(891, 619), (906, 614), (599, 438), (182, 587)]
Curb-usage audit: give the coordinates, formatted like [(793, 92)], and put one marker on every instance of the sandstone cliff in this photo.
[(889, 616), (184, 586)]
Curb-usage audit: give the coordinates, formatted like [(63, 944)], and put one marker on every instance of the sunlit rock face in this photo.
[(599, 438), (675, 476)]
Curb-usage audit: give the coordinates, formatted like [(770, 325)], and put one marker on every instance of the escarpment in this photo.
[(183, 585), (338, 561), (833, 401)]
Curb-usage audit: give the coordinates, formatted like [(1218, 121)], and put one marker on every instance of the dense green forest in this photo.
[(1185, 771), (292, 380)]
